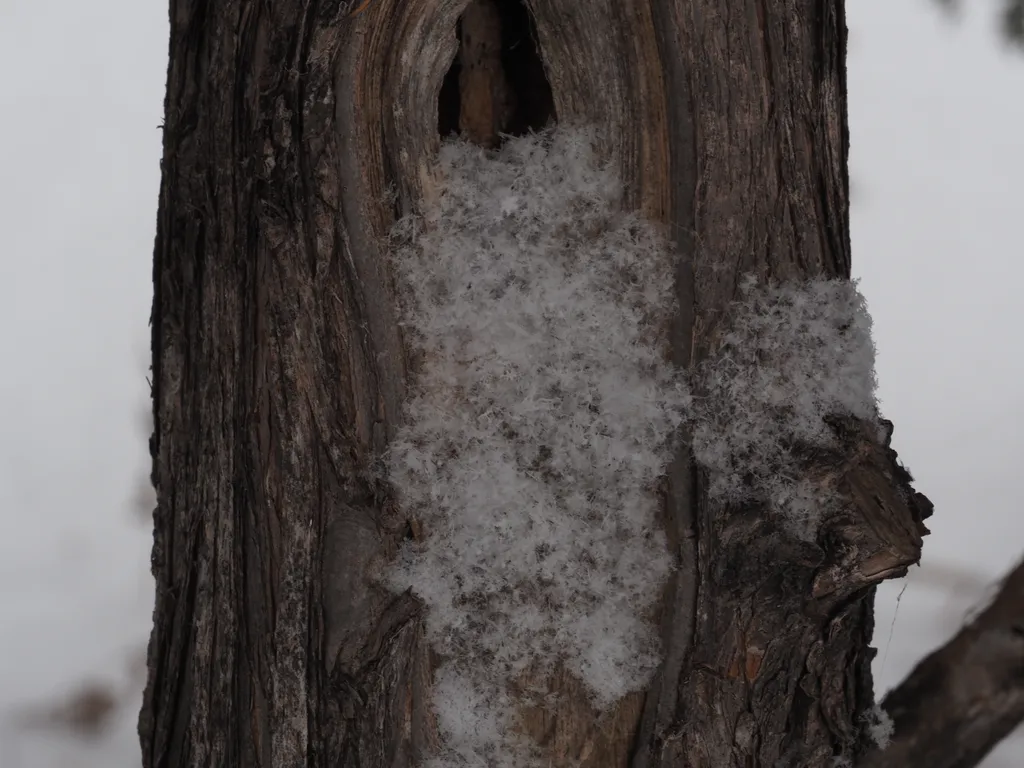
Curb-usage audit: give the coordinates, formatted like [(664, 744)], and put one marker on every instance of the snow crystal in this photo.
[(880, 726), (542, 416), (793, 354)]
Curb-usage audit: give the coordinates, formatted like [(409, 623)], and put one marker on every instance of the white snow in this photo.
[(880, 726), (541, 420), (793, 354)]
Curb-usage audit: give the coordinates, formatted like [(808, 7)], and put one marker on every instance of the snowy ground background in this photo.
[(937, 160)]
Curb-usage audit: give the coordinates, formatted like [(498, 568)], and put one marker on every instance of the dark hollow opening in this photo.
[(524, 72)]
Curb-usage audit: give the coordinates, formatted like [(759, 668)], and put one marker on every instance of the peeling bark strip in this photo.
[(279, 373)]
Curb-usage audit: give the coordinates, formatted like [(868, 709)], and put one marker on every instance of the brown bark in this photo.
[(484, 95), (279, 373), (966, 696)]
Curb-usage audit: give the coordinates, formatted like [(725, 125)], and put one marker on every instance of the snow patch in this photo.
[(541, 419), (792, 355)]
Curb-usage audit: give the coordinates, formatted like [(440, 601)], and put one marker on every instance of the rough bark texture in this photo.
[(296, 130), (965, 697)]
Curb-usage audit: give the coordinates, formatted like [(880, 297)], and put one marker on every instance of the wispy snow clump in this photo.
[(794, 354), (880, 726), (541, 419)]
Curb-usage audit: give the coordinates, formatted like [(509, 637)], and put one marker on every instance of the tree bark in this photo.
[(295, 132)]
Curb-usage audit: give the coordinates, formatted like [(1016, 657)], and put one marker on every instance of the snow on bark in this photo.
[(541, 419), (543, 412), (793, 354)]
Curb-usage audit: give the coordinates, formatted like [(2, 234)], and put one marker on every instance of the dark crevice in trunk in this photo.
[(531, 105), (448, 100), (520, 57)]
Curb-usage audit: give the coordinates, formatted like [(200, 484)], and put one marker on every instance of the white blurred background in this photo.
[(937, 160)]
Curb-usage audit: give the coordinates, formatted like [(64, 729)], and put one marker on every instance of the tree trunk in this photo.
[(296, 131)]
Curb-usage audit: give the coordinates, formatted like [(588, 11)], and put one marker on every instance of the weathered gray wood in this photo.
[(279, 372)]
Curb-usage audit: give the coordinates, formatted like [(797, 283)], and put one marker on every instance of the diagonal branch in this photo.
[(965, 697)]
